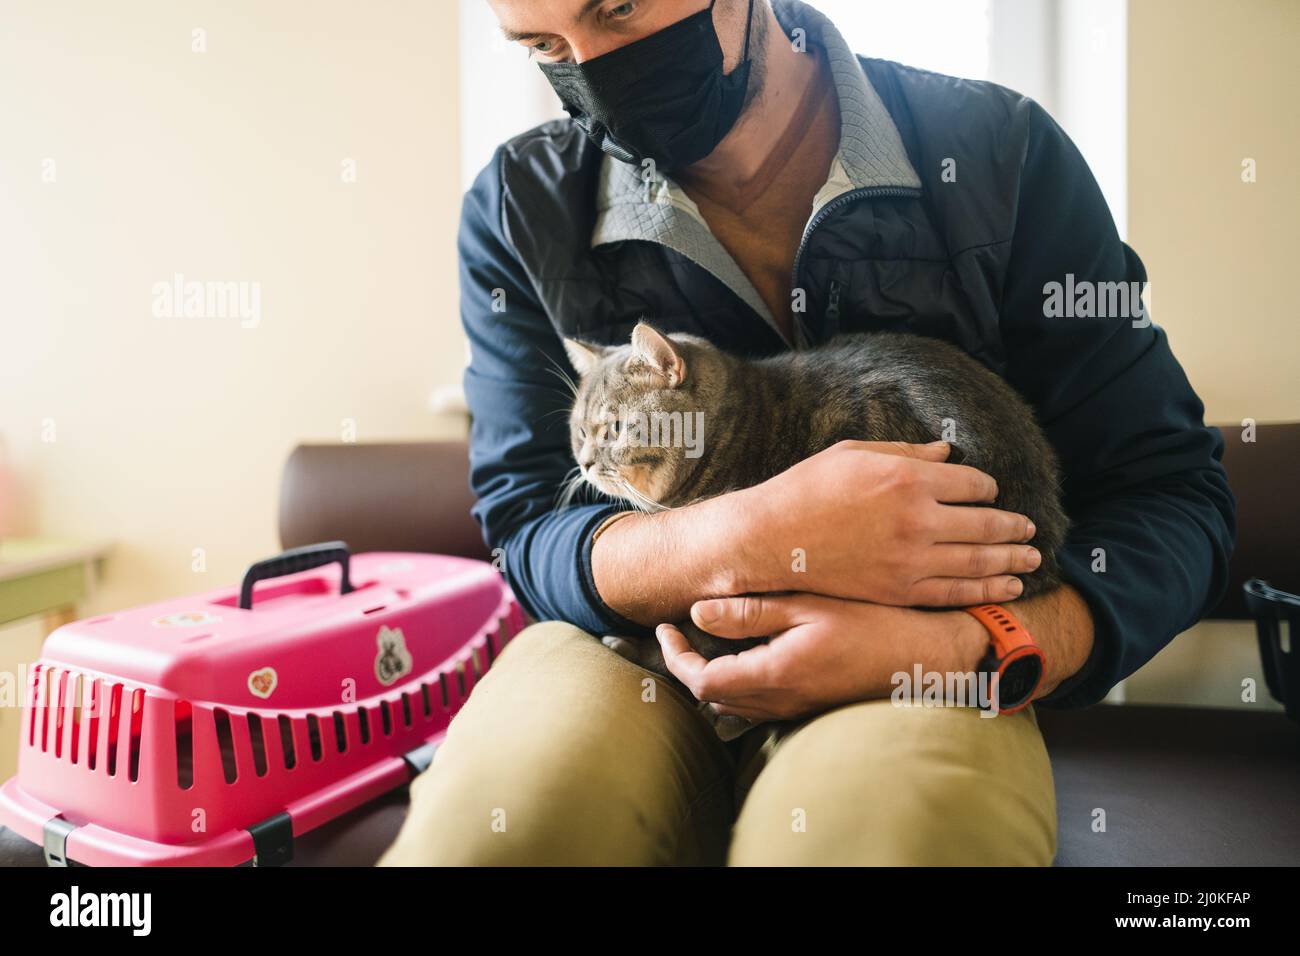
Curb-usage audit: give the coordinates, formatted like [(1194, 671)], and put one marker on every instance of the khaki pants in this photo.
[(567, 754)]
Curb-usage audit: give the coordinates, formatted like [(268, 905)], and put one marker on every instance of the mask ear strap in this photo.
[(749, 26)]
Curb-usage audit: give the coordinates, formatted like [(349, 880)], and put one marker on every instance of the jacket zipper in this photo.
[(870, 192), (833, 306)]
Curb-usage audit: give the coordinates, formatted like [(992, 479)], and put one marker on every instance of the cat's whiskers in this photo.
[(563, 376), (637, 498), (569, 487)]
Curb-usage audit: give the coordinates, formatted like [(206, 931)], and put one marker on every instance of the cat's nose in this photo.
[(586, 457)]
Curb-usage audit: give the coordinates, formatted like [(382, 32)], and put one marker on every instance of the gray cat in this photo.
[(639, 413)]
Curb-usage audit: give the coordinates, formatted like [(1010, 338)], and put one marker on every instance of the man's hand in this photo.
[(824, 652), (829, 651), (886, 522)]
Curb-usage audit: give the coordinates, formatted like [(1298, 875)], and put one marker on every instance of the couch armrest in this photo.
[(381, 497), (1262, 475)]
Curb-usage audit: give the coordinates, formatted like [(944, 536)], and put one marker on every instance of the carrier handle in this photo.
[(1269, 605), (295, 560)]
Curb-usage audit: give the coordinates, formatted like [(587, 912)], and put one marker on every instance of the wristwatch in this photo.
[(1014, 664)]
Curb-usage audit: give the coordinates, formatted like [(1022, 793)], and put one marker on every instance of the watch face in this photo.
[(1019, 680)]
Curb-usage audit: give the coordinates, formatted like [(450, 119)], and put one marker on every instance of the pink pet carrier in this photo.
[(212, 730)]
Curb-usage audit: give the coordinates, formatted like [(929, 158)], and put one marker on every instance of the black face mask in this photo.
[(663, 98)]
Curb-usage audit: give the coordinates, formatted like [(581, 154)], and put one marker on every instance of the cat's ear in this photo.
[(582, 356), (660, 353)]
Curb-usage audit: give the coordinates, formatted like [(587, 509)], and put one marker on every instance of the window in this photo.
[(946, 36)]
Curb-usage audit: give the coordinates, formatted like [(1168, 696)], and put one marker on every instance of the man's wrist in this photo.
[(726, 523), (969, 642), (650, 568), (1061, 624), (753, 565), (948, 643)]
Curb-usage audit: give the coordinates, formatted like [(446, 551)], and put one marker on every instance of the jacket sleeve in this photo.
[(519, 438), (1152, 516)]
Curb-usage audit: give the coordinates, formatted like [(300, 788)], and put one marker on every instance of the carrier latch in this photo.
[(272, 841), (56, 832), (420, 758)]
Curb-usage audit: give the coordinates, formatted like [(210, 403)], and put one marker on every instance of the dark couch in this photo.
[(1178, 785)]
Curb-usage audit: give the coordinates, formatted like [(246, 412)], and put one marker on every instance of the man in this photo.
[(732, 170)]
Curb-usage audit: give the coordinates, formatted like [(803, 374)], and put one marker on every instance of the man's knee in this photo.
[(878, 784), (564, 753)]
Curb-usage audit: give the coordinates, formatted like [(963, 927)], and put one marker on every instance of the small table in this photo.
[(47, 576)]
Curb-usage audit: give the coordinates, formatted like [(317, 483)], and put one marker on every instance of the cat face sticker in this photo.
[(393, 660)]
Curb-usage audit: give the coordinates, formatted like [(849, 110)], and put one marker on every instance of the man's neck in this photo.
[(743, 152)]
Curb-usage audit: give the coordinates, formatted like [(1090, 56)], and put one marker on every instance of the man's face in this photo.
[(574, 31)]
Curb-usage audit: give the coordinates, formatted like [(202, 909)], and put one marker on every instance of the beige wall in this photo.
[(225, 165), (1212, 83)]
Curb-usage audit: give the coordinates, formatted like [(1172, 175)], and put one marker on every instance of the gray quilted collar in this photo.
[(871, 154)]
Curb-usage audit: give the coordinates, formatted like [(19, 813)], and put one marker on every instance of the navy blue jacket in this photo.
[(556, 240)]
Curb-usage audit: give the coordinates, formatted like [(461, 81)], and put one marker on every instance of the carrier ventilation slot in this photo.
[(286, 743), (313, 737), (60, 709), (80, 688), (226, 744), (44, 706), (114, 726), (137, 728), (340, 733), (258, 742), (184, 723), (442, 686), (92, 731), (34, 696)]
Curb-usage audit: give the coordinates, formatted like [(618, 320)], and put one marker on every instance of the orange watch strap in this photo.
[(1014, 656)]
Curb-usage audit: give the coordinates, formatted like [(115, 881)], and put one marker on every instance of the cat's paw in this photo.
[(624, 647), (727, 726), (643, 652)]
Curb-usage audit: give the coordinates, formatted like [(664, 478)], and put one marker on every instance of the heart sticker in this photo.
[(262, 683)]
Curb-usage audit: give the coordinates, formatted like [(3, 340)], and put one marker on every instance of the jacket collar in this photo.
[(870, 154)]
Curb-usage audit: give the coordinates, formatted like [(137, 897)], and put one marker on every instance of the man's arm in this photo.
[(811, 527), (519, 445), (1152, 516)]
